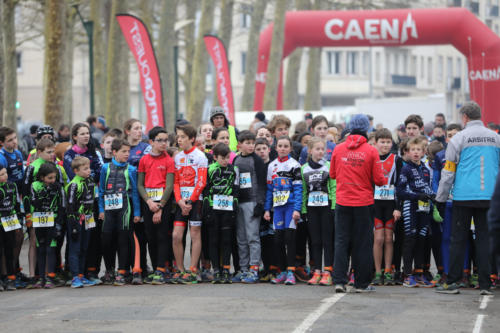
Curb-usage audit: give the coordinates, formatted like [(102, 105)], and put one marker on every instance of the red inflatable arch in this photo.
[(399, 27)]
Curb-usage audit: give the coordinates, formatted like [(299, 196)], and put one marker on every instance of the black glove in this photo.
[(422, 197), (258, 211)]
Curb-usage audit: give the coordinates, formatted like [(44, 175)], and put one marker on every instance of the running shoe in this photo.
[(2, 288), (368, 289), (148, 279), (88, 283), (351, 280), (398, 278), (340, 288), (237, 276), (21, 276), (49, 283), (226, 277), (38, 284), (485, 292), (119, 280), (76, 282), (326, 279), (59, 281), (377, 280), (206, 275), (280, 278), (250, 277), (108, 278), (158, 278), (217, 278), (436, 279), (188, 278), (314, 281), (29, 285), (410, 282), (474, 281), (266, 277), (448, 289), (94, 278), (493, 283), (301, 274), (136, 279), (465, 283), (388, 280), (10, 285), (175, 278), (290, 278), (428, 275), (20, 284), (422, 281)]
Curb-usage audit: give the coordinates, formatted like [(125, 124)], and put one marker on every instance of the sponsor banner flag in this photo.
[(217, 51), (137, 36)]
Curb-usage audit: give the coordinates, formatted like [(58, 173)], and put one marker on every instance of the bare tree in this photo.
[(252, 54), (291, 91), (197, 87), (68, 50), (189, 38), (10, 66), (2, 64), (117, 91), (312, 98), (96, 15), (275, 56), (166, 44)]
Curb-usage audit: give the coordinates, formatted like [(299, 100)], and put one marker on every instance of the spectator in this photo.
[(218, 119), (63, 134), (258, 122), (439, 119), (308, 118)]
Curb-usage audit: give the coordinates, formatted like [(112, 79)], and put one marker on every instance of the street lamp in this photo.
[(89, 29)]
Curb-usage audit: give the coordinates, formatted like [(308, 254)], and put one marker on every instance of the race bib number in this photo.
[(10, 223), (42, 220), (423, 206), (280, 198), (113, 201), (385, 192), (187, 192), (245, 180), (317, 199), (89, 222), (154, 194), (223, 202)]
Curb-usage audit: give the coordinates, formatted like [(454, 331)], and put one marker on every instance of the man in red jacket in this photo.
[(354, 166)]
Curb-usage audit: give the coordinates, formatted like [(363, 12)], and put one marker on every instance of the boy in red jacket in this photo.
[(355, 166)]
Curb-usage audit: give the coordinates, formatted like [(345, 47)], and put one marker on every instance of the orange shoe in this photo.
[(326, 279), (314, 281)]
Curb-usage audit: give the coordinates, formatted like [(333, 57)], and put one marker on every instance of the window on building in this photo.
[(459, 67), (404, 65), (377, 66), (243, 63), (449, 67), (395, 64), (422, 67), (366, 63), (440, 69), (333, 59), (413, 66), (352, 63), (246, 18), (19, 61), (429, 70)]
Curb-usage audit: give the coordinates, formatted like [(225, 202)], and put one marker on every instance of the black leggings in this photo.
[(416, 229), (302, 237), (285, 238), (94, 251), (320, 222), (221, 230), (7, 243), (46, 249), (159, 242), (117, 225)]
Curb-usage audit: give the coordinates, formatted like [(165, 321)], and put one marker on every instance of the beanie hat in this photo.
[(260, 115), (359, 122), (101, 120), (215, 111)]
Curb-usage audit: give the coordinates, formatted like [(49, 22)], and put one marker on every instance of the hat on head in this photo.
[(101, 121), (215, 111), (260, 115), (359, 122), (402, 128), (308, 116)]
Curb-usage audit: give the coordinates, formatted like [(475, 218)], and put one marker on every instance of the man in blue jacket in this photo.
[(472, 162)]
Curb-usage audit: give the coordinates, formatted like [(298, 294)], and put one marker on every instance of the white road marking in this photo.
[(326, 303), (484, 302), (479, 322)]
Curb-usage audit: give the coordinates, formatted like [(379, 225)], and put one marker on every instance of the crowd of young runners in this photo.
[(332, 205)]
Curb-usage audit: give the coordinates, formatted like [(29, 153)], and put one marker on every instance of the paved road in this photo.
[(242, 308)]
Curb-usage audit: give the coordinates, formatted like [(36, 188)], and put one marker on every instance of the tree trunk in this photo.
[(10, 66), (117, 88), (252, 54), (312, 98), (2, 64), (189, 38), (69, 48), (197, 87), (224, 33), (96, 15), (275, 56), (291, 91), (166, 43), (55, 18)]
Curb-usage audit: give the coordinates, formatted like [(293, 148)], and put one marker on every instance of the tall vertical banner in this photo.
[(217, 50), (138, 39)]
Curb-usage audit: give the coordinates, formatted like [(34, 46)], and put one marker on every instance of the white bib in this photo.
[(280, 198), (245, 180), (223, 202), (385, 192), (10, 223), (42, 220), (154, 194), (317, 199), (113, 201)]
